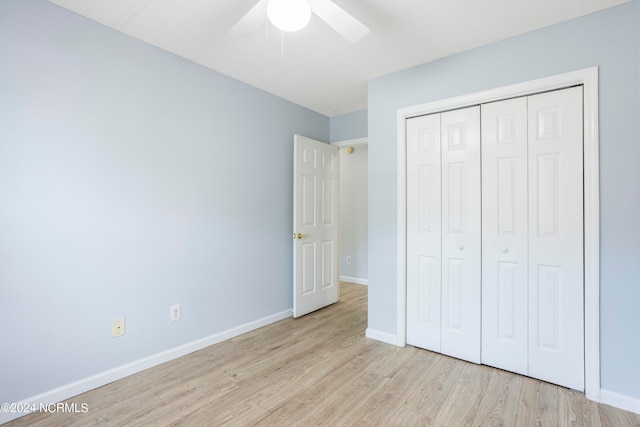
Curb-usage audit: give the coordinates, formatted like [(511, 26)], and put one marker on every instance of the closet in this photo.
[(495, 235)]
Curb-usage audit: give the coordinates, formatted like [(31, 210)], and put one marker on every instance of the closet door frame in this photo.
[(588, 79)]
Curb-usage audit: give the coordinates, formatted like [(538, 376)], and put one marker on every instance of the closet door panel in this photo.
[(461, 233), (505, 235), (556, 291), (423, 232)]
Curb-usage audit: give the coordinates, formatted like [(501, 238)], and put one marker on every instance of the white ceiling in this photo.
[(320, 70)]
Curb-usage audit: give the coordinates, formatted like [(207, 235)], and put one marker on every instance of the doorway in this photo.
[(353, 210)]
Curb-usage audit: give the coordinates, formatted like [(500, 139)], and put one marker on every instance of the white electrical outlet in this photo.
[(348, 260), (175, 312), (117, 327)]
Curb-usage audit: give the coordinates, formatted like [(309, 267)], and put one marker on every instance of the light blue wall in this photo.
[(353, 212), (131, 180), (349, 126), (609, 40)]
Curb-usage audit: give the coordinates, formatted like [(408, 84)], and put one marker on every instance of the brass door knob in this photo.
[(300, 236)]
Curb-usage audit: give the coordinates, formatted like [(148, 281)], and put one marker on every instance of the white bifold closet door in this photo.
[(532, 236), (505, 235), (443, 233), (424, 232)]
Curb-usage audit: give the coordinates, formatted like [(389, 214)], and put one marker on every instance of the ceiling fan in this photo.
[(292, 15)]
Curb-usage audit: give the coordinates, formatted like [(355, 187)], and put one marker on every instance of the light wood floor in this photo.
[(321, 370)]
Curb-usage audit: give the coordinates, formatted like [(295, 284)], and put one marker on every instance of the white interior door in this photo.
[(315, 225), (424, 232), (505, 230), (461, 232), (556, 271)]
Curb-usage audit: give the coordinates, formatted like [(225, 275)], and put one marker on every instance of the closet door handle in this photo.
[(504, 250), (460, 247)]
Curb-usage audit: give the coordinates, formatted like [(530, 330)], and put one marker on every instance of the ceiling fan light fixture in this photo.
[(289, 15)]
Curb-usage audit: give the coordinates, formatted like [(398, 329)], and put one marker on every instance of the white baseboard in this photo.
[(73, 389), (620, 401), (383, 336), (354, 280)]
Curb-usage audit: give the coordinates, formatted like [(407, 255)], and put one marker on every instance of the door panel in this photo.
[(328, 254), (426, 292), (461, 234), (556, 337), (315, 213), (308, 200), (308, 268), (457, 195), (423, 232), (454, 304), (328, 201), (546, 181), (507, 301), (548, 308), (505, 235)]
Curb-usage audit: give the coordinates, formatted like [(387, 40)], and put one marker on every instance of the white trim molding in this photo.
[(588, 79), (621, 401), (70, 390), (355, 280), (384, 337)]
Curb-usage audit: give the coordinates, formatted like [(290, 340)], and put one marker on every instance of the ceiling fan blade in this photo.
[(338, 19), (249, 23)]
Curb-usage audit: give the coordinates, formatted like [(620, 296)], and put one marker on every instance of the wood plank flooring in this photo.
[(321, 370)]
